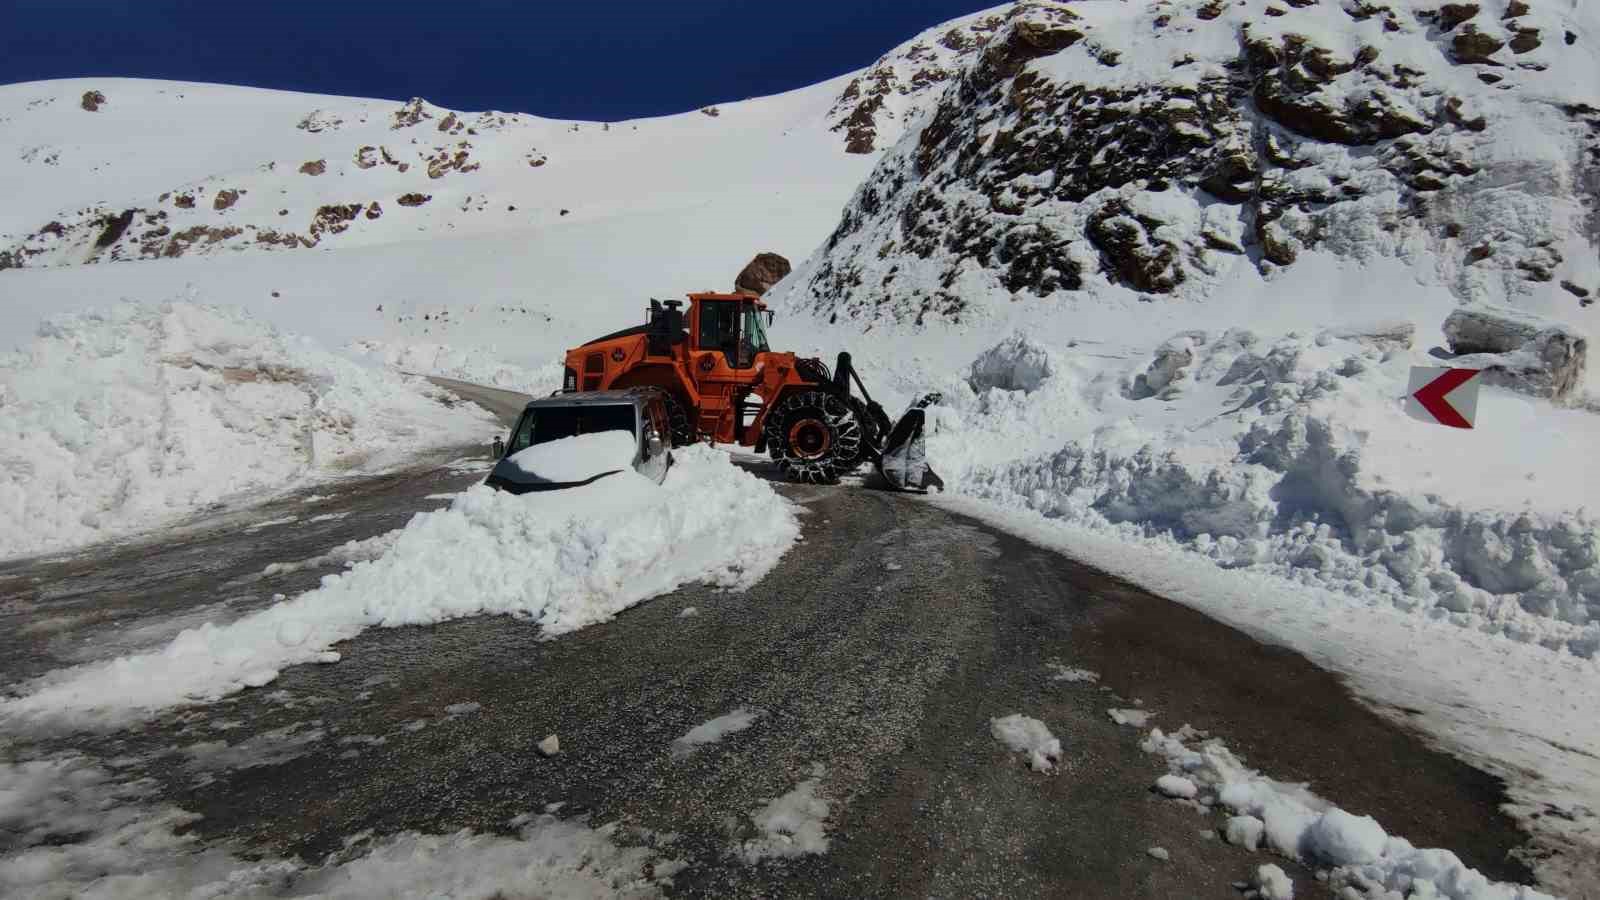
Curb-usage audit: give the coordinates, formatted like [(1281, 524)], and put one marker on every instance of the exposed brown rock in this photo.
[(761, 273), (92, 100), (183, 201), (113, 227), (448, 122), (364, 157), (1212, 9), (334, 218), (1129, 249), (414, 199), (1453, 14), (1575, 290), (374, 210), (1474, 46), (314, 167), (410, 113), (225, 199), (711, 111), (1526, 41), (1516, 9)]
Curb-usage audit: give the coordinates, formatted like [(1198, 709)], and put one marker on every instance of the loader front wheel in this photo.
[(814, 437)]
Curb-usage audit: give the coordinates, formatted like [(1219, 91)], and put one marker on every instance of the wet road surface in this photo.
[(876, 655)]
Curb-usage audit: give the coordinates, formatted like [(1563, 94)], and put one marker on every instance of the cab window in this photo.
[(734, 329)]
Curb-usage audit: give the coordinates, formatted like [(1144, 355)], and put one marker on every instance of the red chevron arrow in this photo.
[(1432, 397)]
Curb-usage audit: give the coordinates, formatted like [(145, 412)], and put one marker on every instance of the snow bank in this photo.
[(561, 560), (124, 846), (120, 418), (1291, 455), (1030, 737), (1298, 824)]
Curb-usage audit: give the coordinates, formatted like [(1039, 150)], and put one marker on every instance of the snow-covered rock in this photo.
[(1518, 349), (1015, 364)]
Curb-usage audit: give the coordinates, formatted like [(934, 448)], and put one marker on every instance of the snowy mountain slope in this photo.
[(1154, 148)]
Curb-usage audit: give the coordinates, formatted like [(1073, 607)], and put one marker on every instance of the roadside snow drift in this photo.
[(561, 560), (117, 419), (1360, 858)]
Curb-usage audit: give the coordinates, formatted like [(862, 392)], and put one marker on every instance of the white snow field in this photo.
[(125, 417), (561, 560)]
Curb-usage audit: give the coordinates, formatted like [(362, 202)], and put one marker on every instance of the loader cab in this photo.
[(730, 324)]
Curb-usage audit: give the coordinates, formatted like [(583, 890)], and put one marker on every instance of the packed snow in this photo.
[(129, 846), (791, 825), (125, 417), (1271, 883), (715, 730), (578, 457), (1355, 850), (561, 560), (1029, 737)]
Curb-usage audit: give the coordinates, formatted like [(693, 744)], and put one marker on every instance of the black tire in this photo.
[(814, 437), (678, 420), (869, 433)]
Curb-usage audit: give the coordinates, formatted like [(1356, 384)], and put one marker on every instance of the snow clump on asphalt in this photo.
[(1030, 737), (122, 418), (791, 825), (1300, 825), (561, 560), (1272, 883), (715, 730)]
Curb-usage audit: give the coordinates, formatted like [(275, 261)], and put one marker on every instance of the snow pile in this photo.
[(578, 457), (74, 830), (124, 417), (562, 560), (1292, 455), (1296, 823), (715, 730), (1030, 737), (791, 825)]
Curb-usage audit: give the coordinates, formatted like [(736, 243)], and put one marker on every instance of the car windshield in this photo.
[(542, 425)]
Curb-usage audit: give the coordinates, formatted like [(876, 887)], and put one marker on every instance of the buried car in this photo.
[(574, 439)]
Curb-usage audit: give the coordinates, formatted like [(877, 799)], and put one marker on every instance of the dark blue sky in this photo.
[(590, 60)]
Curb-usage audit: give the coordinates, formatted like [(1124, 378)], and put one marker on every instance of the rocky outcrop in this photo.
[(1518, 350), (1054, 161), (225, 199), (874, 106), (761, 273), (92, 101), (413, 199), (314, 167)]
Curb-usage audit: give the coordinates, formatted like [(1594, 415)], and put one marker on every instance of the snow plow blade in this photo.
[(904, 459)]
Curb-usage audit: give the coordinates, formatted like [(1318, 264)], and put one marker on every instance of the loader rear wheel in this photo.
[(814, 437), (678, 420)]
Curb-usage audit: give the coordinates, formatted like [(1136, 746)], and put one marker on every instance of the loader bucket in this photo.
[(904, 460)]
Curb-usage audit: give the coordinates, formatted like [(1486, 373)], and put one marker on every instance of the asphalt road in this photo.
[(877, 653)]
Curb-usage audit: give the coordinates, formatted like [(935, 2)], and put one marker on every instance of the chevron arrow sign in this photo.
[(1443, 396)]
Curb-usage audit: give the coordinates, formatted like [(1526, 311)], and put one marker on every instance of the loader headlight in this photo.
[(569, 381)]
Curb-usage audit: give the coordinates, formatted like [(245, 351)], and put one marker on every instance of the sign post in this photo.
[(1442, 396)]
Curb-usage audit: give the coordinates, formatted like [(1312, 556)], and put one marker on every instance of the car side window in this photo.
[(522, 436)]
